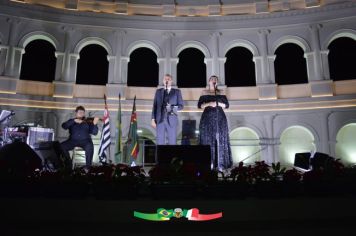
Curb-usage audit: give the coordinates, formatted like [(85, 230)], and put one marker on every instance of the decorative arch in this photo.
[(338, 126), (93, 40), (25, 40), (345, 147), (241, 43), (245, 145), (301, 124), (193, 44), (143, 44), (349, 33), (302, 140), (291, 39), (253, 127)]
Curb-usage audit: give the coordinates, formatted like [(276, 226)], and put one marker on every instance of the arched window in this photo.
[(143, 68), (191, 69), (346, 144), (290, 65), (342, 58), (93, 65), (245, 145), (39, 61), (295, 139), (239, 68)]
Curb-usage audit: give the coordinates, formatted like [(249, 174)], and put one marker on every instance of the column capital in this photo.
[(168, 35), (13, 20), (264, 32), (67, 28), (58, 53), (315, 27), (215, 34), (75, 55)]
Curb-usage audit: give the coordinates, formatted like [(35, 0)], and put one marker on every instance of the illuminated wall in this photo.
[(346, 144), (245, 145), (295, 139)]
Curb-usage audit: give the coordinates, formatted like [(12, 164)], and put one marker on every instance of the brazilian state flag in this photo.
[(132, 140), (118, 152)]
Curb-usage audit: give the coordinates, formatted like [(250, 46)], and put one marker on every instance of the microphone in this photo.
[(215, 85), (166, 85)]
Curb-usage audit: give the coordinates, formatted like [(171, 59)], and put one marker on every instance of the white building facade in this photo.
[(268, 121)]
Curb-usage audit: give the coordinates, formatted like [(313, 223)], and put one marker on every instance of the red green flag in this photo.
[(132, 140)]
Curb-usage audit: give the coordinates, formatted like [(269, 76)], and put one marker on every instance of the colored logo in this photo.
[(164, 215)]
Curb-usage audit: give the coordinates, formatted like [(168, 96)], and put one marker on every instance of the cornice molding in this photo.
[(92, 19)]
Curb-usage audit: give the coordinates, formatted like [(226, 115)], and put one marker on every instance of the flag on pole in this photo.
[(118, 152), (132, 140), (105, 139)]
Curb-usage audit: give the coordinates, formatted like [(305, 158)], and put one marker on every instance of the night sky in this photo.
[(39, 64)]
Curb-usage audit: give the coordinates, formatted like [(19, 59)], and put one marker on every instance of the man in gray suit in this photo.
[(166, 104)]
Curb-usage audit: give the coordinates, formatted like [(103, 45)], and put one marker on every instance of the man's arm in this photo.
[(93, 129), (180, 102), (154, 108), (68, 124)]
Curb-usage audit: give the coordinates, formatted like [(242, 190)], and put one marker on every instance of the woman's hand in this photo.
[(153, 123)]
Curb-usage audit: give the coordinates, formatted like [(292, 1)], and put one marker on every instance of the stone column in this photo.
[(162, 68), (173, 65), (111, 72), (324, 135), (66, 75), (315, 45), (168, 36), (59, 65), (264, 65), (221, 66), (3, 57), (258, 60), (325, 64), (124, 66), (73, 66), (320, 83), (17, 61), (215, 56), (115, 85), (14, 56), (265, 77), (209, 70), (270, 140)]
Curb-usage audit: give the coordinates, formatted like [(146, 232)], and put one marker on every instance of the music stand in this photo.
[(5, 116)]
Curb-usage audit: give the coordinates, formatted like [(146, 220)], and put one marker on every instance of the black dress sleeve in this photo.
[(201, 101), (225, 101)]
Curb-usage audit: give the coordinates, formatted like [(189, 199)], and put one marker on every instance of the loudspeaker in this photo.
[(199, 155), (302, 160), (52, 155), (320, 160), (188, 128), (18, 160)]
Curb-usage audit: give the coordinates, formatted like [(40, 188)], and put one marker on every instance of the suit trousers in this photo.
[(167, 129), (87, 145)]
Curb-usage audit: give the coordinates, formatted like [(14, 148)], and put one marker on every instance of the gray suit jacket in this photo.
[(175, 100)]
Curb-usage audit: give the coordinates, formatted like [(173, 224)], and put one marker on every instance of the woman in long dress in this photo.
[(208, 125)]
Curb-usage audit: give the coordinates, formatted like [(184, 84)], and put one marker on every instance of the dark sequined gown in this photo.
[(207, 130)]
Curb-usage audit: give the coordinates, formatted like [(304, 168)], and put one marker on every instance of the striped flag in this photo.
[(118, 152), (105, 139), (132, 139)]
